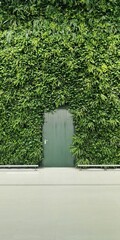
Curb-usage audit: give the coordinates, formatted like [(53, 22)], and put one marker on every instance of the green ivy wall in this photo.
[(60, 53)]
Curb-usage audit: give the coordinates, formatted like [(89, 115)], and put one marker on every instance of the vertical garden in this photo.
[(57, 53)]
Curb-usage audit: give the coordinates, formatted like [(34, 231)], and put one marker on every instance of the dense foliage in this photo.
[(60, 53)]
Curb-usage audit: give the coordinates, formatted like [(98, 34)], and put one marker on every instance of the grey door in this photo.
[(57, 136)]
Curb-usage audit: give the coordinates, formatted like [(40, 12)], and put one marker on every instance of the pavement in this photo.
[(59, 204)]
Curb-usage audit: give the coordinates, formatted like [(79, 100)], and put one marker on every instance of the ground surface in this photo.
[(59, 204)]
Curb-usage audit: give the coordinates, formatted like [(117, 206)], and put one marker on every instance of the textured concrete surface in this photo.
[(60, 204)]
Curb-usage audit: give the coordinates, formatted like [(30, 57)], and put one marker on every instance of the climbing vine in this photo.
[(57, 53)]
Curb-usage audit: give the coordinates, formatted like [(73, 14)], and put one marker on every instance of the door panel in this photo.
[(57, 134)]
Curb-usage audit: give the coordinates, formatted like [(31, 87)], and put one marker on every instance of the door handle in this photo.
[(45, 141)]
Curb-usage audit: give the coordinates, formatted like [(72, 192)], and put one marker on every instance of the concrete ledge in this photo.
[(104, 166), (18, 166)]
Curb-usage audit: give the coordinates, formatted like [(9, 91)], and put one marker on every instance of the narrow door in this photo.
[(57, 134)]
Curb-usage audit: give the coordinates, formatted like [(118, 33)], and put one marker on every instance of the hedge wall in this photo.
[(60, 53)]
